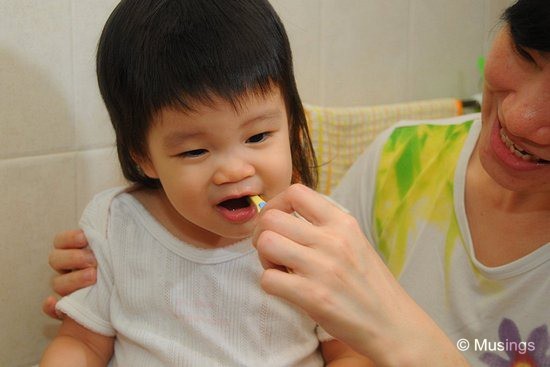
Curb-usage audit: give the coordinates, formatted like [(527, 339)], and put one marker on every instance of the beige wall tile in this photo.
[(92, 126), (302, 21), (363, 51), (37, 199), (492, 23), (35, 77), (444, 49)]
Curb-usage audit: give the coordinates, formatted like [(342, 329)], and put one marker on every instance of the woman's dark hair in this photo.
[(154, 54), (529, 22)]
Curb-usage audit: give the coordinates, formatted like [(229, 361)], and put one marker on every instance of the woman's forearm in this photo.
[(76, 346), (66, 351)]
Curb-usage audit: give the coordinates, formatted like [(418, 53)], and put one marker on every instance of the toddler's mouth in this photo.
[(235, 203), (236, 210)]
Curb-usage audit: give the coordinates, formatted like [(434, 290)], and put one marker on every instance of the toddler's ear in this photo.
[(146, 166)]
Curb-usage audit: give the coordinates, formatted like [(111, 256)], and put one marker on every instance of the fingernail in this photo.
[(80, 238), (89, 275), (90, 260)]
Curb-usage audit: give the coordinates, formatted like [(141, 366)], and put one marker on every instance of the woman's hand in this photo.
[(336, 276), (75, 265)]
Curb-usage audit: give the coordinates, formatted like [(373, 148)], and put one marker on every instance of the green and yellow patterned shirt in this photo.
[(407, 193)]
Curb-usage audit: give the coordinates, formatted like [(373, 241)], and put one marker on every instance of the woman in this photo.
[(459, 212)]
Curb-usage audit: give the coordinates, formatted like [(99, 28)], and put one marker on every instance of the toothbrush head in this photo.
[(257, 201)]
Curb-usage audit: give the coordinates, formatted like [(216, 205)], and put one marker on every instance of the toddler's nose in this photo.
[(233, 169)]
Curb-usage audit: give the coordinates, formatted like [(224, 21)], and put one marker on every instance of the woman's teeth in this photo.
[(518, 152)]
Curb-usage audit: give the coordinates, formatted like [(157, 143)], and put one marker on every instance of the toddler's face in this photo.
[(210, 160)]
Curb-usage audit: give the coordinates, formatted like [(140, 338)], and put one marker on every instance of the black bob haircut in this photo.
[(529, 22), (154, 54)]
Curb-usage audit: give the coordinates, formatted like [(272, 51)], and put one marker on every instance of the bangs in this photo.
[(529, 22), (203, 56)]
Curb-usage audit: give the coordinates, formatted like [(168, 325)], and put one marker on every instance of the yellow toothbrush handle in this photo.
[(258, 201)]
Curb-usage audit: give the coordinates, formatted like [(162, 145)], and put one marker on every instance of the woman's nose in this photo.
[(529, 116), (232, 168)]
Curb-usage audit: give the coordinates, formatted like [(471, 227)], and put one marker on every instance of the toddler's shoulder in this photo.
[(96, 214)]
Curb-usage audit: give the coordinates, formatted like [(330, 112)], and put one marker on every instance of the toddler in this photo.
[(203, 101)]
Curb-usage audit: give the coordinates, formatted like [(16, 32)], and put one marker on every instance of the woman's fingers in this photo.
[(280, 283), (67, 283), (70, 252), (338, 236), (75, 264), (66, 260), (287, 225), (48, 307), (70, 239), (278, 251), (312, 206)]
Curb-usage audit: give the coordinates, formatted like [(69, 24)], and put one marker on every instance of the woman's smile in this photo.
[(520, 153), (511, 154)]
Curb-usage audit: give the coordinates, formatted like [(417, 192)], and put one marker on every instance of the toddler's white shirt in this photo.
[(171, 304)]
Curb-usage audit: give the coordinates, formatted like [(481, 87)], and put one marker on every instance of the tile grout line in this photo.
[(39, 155), (73, 113)]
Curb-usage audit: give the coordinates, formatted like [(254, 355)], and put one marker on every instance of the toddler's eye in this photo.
[(194, 153), (257, 138)]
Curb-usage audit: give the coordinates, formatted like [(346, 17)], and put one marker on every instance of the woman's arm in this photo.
[(74, 263), (76, 346), (337, 277), (337, 354)]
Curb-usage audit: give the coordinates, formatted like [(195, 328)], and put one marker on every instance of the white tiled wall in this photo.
[(56, 141)]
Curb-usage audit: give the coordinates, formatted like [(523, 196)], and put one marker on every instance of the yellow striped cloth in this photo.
[(340, 134)]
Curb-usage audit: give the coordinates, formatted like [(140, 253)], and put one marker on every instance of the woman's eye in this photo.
[(524, 53), (193, 153), (257, 138)]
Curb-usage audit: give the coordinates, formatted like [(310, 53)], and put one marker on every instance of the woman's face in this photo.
[(514, 145)]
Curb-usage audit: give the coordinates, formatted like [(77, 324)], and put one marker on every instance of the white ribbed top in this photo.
[(171, 304)]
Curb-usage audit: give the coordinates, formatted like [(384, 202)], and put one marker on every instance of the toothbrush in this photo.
[(257, 201)]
